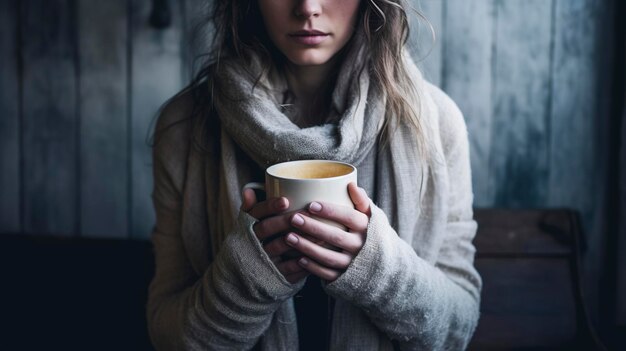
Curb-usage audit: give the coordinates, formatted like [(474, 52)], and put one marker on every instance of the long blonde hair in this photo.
[(386, 27)]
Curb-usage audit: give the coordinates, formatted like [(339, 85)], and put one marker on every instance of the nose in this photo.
[(308, 8)]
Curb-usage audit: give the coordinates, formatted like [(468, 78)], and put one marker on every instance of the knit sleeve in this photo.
[(421, 305), (232, 303)]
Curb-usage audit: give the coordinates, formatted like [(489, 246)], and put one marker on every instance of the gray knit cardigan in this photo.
[(413, 295)]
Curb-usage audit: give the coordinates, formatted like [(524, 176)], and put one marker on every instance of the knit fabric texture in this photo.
[(413, 284)]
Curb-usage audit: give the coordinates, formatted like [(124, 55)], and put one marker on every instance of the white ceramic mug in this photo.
[(305, 181)]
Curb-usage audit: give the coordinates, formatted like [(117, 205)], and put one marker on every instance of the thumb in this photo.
[(248, 198), (359, 198)]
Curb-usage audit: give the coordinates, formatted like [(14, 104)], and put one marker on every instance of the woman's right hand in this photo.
[(273, 220)]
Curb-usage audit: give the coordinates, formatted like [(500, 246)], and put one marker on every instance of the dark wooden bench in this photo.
[(531, 299), (89, 294)]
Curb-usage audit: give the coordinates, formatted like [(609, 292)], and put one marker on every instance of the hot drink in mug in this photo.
[(305, 181)]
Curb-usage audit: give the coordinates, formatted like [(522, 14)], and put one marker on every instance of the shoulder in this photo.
[(176, 123), (174, 117), (439, 110), (172, 141), (451, 124), (173, 137)]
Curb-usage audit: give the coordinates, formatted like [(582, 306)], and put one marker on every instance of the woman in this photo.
[(312, 79)]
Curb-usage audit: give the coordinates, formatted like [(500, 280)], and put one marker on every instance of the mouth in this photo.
[(309, 37)]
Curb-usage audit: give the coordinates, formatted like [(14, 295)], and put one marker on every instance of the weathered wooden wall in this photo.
[(81, 81), (532, 79)]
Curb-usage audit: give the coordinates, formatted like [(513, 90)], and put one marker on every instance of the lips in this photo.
[(309, 37)]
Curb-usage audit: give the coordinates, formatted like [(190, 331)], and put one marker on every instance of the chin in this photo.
[(309, 58)]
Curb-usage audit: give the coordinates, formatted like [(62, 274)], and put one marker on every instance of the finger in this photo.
[(318, 241), (289, 267), (315, 240), (351, 242), (293, 253), (296, 277), (272, 226), (277, 247), (326, 257), (360, 199), (345, 215), (248, 199), (315, 268), (268, 208)]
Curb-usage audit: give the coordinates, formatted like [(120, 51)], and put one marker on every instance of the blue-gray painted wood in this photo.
[(198, 35), (575, 72), (157, 61), (579, 91), (621, 242), (50, 121), (467, 78), (103, 110), (9, 119), (521, 95), (425, 42)]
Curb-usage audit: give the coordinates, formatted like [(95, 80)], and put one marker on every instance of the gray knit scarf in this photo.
[(252, 121)]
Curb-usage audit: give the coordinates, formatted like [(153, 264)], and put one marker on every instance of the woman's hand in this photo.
[(326, 263), (273, 220)]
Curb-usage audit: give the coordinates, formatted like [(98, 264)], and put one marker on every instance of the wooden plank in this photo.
[(198, 35), (524, 232), (156, 76), (103, 110), (468, 42), (581, 83), (10, 121), (521, 94), (621, 258), (621, 234), (575, 93), (50, 121), (426, 52), (525, 303), (576, 96)]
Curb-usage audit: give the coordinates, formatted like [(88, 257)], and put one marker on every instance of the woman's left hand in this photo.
[(319, 260)]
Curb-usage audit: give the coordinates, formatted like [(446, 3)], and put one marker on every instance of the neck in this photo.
[(308, 82), (312, 87)]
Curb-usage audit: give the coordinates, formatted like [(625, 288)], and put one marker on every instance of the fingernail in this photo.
[(281, 203), (315, 207), (303, 261), (292, 239), (297, 220)]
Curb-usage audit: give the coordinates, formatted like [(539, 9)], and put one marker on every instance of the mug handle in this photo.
[(254, 185)]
